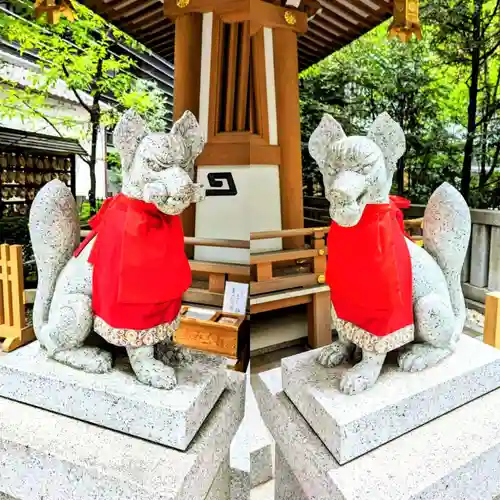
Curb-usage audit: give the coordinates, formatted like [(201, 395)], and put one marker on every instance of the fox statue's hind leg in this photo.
[(64, 335), (62, 313)]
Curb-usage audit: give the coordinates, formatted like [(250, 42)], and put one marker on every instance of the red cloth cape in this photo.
[(140, 269), (369, 272)]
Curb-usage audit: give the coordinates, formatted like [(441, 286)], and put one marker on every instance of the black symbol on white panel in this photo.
[(216, 180)]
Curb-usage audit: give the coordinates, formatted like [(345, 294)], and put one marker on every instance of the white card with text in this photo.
[(235, 298)]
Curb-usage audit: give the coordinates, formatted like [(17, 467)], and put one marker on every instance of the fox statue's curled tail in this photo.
[(55, 234), (446, 235)]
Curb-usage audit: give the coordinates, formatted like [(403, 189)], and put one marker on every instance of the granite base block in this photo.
[(44, 455), (456, 456), (116, 400), (353, 425), (251, 449), (221, 487), (286, 486), (240, 484)]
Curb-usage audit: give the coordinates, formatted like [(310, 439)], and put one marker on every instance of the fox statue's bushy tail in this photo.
[(55, 234), (447, 226)]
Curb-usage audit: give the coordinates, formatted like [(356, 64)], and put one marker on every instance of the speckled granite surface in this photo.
[(353, 425), (251, 450), (48, 456), (456, 456), (116, 400), (221, 486)]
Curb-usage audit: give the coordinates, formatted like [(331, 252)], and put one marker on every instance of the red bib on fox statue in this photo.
[(140, 269), (369, 272)]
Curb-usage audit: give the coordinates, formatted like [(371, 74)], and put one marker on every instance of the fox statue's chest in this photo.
[(369, 273)]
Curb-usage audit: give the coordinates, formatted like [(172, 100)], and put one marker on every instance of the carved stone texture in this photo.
[(357, 172), (158, 169)]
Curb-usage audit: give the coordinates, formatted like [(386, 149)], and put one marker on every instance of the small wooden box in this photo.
[(217, 335)]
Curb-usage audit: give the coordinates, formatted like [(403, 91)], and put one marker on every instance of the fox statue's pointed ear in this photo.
[(128, 134), (328, 132), (388, 135), (189, 130)]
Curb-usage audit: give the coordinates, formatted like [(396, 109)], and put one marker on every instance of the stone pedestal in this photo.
[(116, 400), (48, 455), (454, 456), (251, 451), (349, 426)]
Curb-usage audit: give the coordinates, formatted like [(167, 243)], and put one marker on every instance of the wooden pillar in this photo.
[(187, 62), (492, 320), (288, 111), (319, 309), (243, 55)]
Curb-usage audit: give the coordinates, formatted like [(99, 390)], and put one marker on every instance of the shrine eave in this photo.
[(336, 24)]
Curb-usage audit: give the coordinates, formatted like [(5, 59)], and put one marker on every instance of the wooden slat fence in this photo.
[(13, 327)]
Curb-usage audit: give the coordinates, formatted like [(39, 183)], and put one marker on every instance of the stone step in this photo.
[(116, 400), (350, 426)]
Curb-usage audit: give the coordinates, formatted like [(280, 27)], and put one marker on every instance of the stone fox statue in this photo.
[(387, 292), (126, 280)]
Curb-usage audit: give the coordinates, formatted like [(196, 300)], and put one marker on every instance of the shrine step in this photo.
[(350, 426)]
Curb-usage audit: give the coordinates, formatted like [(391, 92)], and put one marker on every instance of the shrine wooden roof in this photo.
[(336, 24)]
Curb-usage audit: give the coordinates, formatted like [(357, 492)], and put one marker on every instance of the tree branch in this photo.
[(77, 95), (487, 23), (49, 122)]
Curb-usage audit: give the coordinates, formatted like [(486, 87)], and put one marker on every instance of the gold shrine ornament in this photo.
[(55, 9), (406, 22), (182, 4), (290, 18)]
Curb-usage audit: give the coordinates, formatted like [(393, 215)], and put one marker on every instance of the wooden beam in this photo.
[(187, 70), (283, 283), (280, 304), (286, 255), (258, 12), (288, 233), (236, 154)]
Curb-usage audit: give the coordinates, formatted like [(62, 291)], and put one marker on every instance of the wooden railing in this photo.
[(13, 327), (209, 278), (293, 277)]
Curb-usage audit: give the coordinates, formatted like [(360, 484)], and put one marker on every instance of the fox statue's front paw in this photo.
[(333, 354), (156, 374), (149, 370)]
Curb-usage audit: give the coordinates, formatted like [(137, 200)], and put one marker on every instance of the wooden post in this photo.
[(288, 113), (492, 320), (319, 309), (187, 68), (12, 314)]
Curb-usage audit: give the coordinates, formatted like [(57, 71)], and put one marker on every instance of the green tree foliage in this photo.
[(424, 88), (83, 55), (467, 38)]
